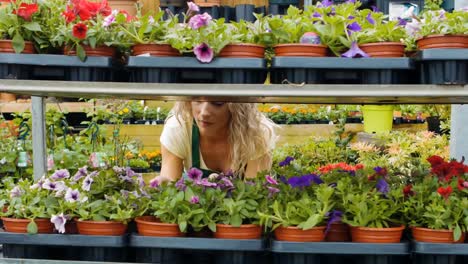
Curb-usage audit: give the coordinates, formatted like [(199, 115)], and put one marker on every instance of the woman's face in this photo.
[(211, 116)]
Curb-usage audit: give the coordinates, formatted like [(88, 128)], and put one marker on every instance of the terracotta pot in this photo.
[(101, 51), (71, 227), (44, 226), (242, 50), (291, 233), (443, 42), (434, 236), (384, 49), (150, 226), (127, 5), (242, 232), (300, 50), (101, 228), (7, 47), (160, 50), (377, 235), (7, 97), (338, 232)]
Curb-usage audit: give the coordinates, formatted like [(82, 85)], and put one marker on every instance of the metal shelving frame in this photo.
[(258, 93)]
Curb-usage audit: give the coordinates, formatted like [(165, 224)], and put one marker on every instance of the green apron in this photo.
[(196, 151)]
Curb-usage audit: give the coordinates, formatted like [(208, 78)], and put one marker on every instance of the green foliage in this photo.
[(381, 30)]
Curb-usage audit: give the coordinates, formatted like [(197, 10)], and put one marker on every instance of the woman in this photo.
[(216, 137)]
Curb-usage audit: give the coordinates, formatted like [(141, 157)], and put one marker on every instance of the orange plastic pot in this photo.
[(151, 226), (422, 234), (242, 50), (157, 50), (294, 234), (300, 50), (338, 232), (6, 46), (377, 235), (443, 42), (101, 228), (44, 226), (241, 232), (383, 49)]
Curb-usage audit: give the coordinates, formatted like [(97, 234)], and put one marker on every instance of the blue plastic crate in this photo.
[(443, 66), (439, 253)]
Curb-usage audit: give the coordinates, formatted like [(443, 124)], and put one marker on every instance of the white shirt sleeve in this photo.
[(176, 139)]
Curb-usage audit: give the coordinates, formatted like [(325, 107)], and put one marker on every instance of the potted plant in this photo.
[(236, 217), (436, 114), (301, 204), (380, 37), (435, 208), (372, 206), (89, 29)]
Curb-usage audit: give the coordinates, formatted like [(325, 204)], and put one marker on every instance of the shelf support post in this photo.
[(38, 136), (459, 132)]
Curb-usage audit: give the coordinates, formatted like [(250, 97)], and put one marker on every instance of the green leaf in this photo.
[(236, 220), (18, 43), (311, 222), (80, 52), (183, 226), (32, 227), (212, 226), (457, 233), (33, 26)]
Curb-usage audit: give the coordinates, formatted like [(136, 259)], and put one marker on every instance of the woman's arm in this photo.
[(171, 167), (255, 166)]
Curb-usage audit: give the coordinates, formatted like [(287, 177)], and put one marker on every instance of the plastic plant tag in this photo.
[(22, 159)]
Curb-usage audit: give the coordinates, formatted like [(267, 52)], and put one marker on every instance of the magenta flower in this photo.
[(60, 174), (195, 174), (50, 162), (205, 182), (192, 7), (354, 52), (270, 180), (203, 53), (154, 183), (180, 184), (272, 191), (198, 21), (194, 200), (59, 222)]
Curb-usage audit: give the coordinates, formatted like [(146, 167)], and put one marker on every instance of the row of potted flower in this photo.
[(82, 26), (296, 204)]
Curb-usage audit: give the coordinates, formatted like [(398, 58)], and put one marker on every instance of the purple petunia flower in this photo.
[(250, 183), (82, 172), (402, 22), (333, 184), (204, 53), (298, 182), (354, 52), (354, 27), (332, 12), (313, 178), (286, 161), (205, 182), (333, 217), (380, 171), (59, 222), (272, 191), (54, 186), (382, 186), (198, 21), (194, 200), (16, 192), (326, 3), (270, 180), (316, 14), (351, 17), (370, 19), (60, 174), (226, 183), (118, 170), (192, 7), (154, 183), (194, 174), (86, 186), (180, 184), (72, 195), (375, 9)]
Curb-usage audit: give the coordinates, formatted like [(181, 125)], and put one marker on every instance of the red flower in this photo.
[(128, 17), (69, 15), (79, 31), (26, 11), (435, 161), (445, 192), (407, 191), (461, 184)]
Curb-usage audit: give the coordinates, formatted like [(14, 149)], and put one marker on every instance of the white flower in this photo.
[(59, 222)]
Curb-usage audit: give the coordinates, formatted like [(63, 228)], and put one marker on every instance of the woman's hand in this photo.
[(158, 180)]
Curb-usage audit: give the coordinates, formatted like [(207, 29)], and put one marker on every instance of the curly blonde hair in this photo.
[(250, 132)]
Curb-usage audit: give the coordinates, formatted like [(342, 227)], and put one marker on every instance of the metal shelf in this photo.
[(277, 93)]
